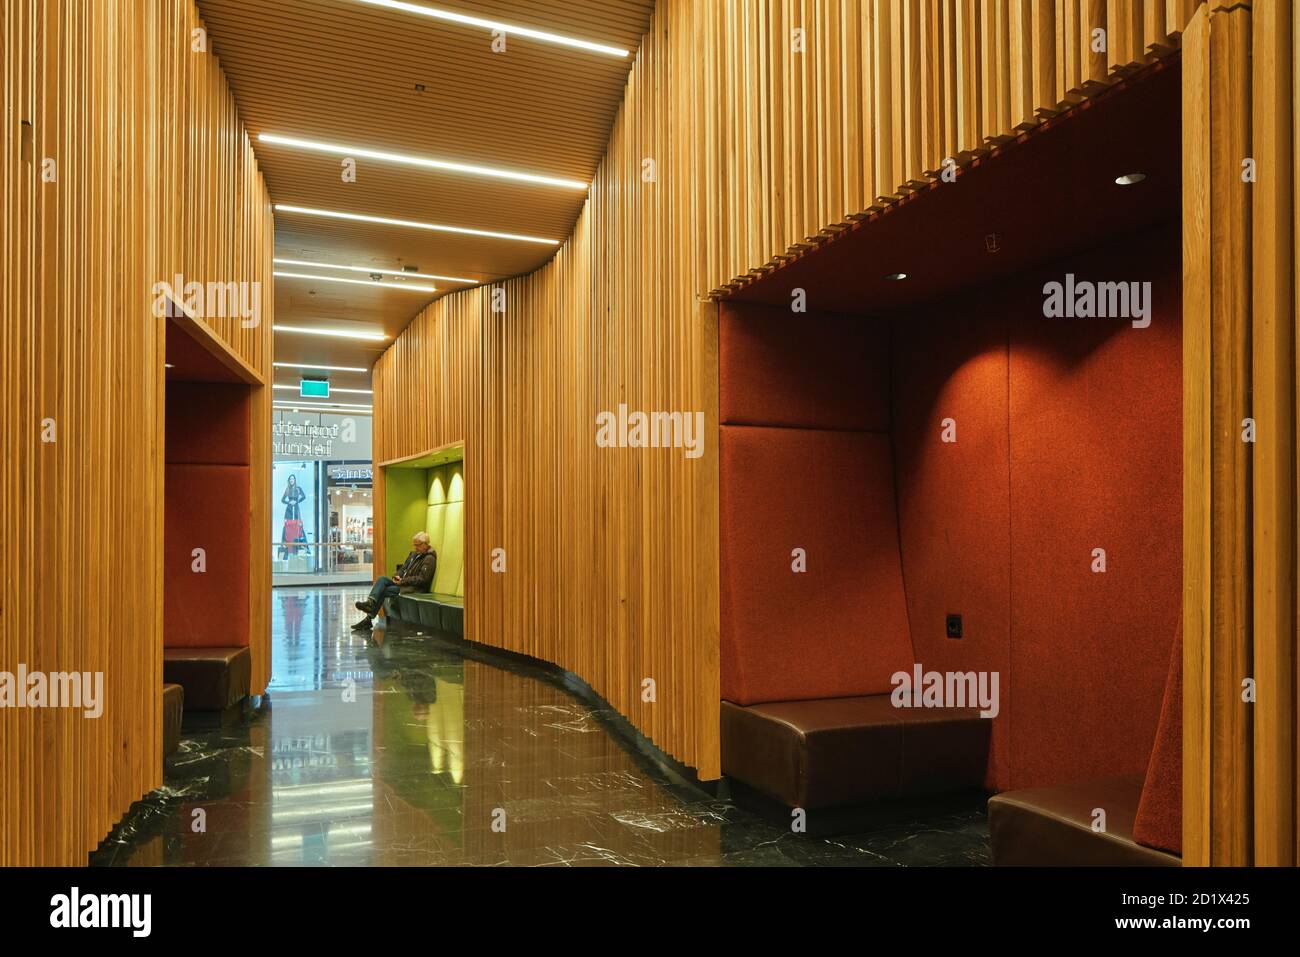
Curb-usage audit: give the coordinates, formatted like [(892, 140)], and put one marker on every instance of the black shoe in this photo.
[(365, 624), (367, 606)]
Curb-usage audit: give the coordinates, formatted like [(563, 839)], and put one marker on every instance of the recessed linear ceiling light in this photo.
[(309, 365), (506, 28), (425, 162), (331, 407), (1130, 179), (409, 287), (368, 270), (333, 389), (384, 220), (895, 276), (337, 333)]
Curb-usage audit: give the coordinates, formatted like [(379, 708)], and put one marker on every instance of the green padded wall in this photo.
[(405, 493), (445, 522), (451, 558), (436, 510)]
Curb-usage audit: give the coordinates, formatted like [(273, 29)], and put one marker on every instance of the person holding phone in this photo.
[(413, 575)]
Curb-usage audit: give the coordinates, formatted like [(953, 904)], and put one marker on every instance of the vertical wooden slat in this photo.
[(1230, 462), (1197, 443), (1295, 308), (1273, 395)]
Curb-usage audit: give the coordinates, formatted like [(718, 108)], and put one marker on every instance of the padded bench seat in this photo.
[(838, 751), (431, 609), (213, 678), (173, 711), (1052, 826)]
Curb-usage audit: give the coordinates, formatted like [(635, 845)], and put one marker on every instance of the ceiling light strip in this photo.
[(372, 270), (421, 161), (336, 333), (373, 283), (507, 28), (326, 407), (386, 221), (310, 365)]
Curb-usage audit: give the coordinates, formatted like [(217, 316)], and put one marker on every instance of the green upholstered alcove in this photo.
[(428, 494)]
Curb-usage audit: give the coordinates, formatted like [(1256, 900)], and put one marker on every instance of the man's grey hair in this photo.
[(421, 537)]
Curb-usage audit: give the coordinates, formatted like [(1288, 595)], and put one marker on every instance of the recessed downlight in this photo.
[(1130, 179), (896, 276), (425, 162), (505, 28), (411, 224)]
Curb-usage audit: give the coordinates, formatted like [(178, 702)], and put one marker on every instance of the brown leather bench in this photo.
[(213, 678), (1053, 826), (1046, 826), (173, 711), (837, 751)]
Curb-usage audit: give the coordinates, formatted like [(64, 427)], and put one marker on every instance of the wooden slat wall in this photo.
[(155, 178), (1240, 333), (761, 151)]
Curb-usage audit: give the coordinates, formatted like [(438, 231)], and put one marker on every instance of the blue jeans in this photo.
[(384, 588)]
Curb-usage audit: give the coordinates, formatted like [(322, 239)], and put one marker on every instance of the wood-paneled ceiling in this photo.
[(355, 74)]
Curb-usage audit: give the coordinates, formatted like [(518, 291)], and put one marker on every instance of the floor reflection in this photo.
[(395, 749)]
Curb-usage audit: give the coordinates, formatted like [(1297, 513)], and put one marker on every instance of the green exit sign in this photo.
[(314, 388)]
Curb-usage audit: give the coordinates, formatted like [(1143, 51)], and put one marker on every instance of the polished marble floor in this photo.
[(398, 749)]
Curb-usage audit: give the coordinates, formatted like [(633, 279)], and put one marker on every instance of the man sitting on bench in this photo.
[(413, 575)]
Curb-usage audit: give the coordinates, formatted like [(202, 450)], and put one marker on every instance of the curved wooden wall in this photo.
[(154, 177), (761, 150)]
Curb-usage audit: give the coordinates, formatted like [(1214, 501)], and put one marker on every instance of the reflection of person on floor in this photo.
[(292, 607), (413, 575), (293, 529), (445, 725)]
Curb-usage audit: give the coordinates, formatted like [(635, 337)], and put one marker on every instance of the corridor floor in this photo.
[(397, 749)]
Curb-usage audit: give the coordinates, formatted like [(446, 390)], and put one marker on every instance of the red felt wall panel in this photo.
[(207, 506), (802, 370), (208, 422), (1068, 438), (839, 628), (1096, 452), (954, 512)]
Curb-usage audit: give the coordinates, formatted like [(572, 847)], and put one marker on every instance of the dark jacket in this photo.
[(417, 571)]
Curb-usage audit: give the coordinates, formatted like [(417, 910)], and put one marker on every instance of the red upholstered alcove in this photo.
[(206, 506), (1068, 436), (1068, 439)]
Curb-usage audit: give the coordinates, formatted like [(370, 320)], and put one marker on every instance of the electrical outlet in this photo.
[(954, 626)]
